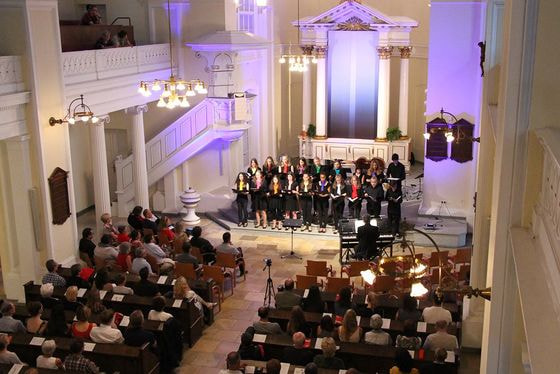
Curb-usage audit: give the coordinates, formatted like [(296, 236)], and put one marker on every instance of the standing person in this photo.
[(260, 201), (306, 200), (301, 169), (285, 167), (396, 170), (338, 194), (291, 190), (394, 198), (242, 199), (359, 173), (355, 195), (374, 194), (316, 169), (251, 171), (269, 169), (337, 170), (275, 202), (322, 193)]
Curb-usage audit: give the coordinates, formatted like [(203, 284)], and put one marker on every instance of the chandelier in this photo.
[(77, 111), (299, 63), (174, 91)]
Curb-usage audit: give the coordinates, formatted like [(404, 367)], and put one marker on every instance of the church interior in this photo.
[(279, 186)]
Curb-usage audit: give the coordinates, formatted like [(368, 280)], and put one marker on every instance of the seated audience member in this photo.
[(170, 346), (206, 249), (135, 219), (313, 303), (47, 360), (287, 298), (327, 360), (46, 291), (228, 248), (297, 322), (233, 364), (52, 276), (75, 361), (441, 339), (435, 313), (102, 282), (311, 368), (145, 287), (180, 232), (343, 302), (92, 16), (439, 366), (150, 221), (249, 350), (87, 246), (121, 39), (124, 260), (165, 229), (7, 357), (156, 252), (135, 335), (157, 314), (377, 336), (408, 340), (123, 237), (403, 363), (349, 331), (75, 279), (135, 241), (263, 326), (120, 287), (140, 262), (326, 327), (8, 323), (105, 250), (297, 354), (34, 324), (108, 227), (408, 310), (105, 332), (71, 298), (273, 366), (56, 325), (94, 302), (186, 257), (81, 329), (182, 290), (371, 306), (104, 41)]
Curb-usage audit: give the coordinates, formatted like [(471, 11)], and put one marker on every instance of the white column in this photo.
[(321, 106), (403, 90), (185, 175), (384, 91), (171, 192), (100, 173), (141, 195), (306, 94)]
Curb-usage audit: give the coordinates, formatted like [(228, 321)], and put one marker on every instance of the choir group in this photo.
[(285, 191)]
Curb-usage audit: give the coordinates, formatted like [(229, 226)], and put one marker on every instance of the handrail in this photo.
[(125, 18)]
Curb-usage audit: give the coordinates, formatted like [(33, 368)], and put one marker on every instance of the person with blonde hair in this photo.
[(182, 290), (71, 298), (349, 331), (327, 359), (108, 227)]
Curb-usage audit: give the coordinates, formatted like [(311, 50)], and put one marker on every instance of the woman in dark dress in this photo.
[(251, 171), (374, 194), (338, 194), (306, 201), (242, 188), (269, 169), (260, 188), (376, 170), (313, 303), (284, 168), (359, 173), (291, 189), (322, 195), (301, 169), (275, 202)]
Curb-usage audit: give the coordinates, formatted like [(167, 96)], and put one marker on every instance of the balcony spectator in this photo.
[(108, 227), (94, 302), (273, 366), (123, 237), (313, 303), (233, 364), (438, 366), (105, 251), (46, 291), (92, 16), (166, 228)]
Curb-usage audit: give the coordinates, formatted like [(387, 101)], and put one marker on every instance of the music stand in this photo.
[(293, 224)]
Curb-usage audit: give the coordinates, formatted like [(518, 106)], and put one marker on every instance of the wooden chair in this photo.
[(336, 284), (463, 256), (228, 261), (318, 268), (216, 273), (354, 269), (305, 281), (195, 251), (435, 256), (178, 246), (186, 270), (384, 283)]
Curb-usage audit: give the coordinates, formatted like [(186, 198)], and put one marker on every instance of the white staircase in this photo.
[(211, 119)]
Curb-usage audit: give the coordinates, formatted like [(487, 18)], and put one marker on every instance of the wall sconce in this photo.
[(77, 111), (453, 132)]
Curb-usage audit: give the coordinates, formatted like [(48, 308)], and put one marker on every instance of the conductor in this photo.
[(367, 239)]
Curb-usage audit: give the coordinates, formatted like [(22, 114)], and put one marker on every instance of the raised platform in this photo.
[(449, 232)]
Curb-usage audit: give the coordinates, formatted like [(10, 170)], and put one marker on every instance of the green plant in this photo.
[(311, 130), (393, 133)]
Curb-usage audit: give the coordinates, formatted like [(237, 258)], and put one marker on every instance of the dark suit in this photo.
[(338, 202), (394, 199), (367, 241), (397, 171), (299, 357)]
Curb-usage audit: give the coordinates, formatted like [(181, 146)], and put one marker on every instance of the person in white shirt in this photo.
[(234, 365), (140, 262), (105, 251), (46, 360), (228, 248), (376, 335), (436, 313), (105, 332), (157, 314), (120, 288), (441, 339)]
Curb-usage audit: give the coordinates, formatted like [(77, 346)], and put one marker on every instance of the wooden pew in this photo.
[(108, 357), (5, 368), (291, 370), (364, 357), (187, 313)]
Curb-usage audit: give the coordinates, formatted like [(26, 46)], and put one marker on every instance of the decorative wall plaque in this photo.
[(436, 146), (462, 149), (60, 203)]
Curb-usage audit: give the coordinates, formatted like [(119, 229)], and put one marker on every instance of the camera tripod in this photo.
[(269, 293)]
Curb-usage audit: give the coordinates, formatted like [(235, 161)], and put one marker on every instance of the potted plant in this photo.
[(311, 130), (393, 133)]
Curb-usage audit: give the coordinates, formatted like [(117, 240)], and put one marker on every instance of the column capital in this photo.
[(136, 109), (385, 52), (321, 51), (405, 52), (103, 120), (307, 49)]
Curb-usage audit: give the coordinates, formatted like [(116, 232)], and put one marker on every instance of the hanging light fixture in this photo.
[(174, 91), (299, 62), (77, 111)]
